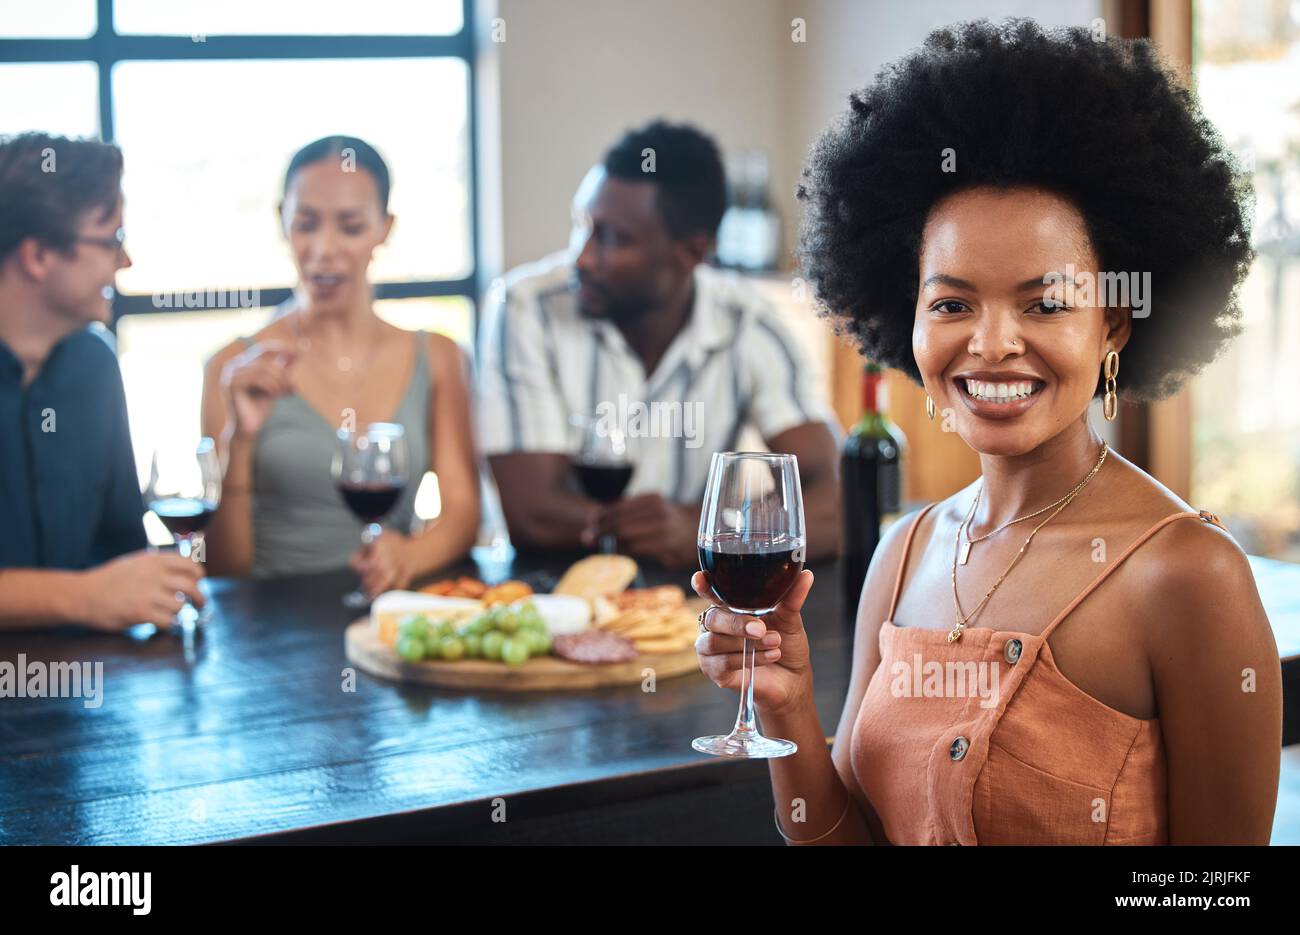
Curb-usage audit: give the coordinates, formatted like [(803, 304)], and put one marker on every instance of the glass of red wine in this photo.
[(751, 545), (371, 469), (604, 468), (184, 490)]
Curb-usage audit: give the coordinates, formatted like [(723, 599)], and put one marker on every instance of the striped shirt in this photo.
[(734, 366)]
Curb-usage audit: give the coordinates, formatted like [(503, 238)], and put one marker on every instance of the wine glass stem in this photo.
[(185, 616), (745, 716)]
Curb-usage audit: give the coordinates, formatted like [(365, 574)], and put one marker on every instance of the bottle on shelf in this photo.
[(749, 237)]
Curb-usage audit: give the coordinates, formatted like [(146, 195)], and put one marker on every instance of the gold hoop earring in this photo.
[(929, 407), (1110, 402)]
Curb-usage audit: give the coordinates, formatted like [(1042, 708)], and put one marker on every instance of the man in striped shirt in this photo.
[(630, 328)]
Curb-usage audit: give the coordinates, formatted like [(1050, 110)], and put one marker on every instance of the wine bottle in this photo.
[(872, 479)]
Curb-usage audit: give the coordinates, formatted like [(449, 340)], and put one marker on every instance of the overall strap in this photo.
[(902, 562), (1208, 517), (422, 353)]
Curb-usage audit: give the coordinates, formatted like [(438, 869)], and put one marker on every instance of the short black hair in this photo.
[(336, 147), (688, 173), (1101, 122), (48, 183)]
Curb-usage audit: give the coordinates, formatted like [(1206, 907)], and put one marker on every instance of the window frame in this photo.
[(105, 48)]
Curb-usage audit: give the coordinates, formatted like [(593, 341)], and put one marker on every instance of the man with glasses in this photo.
[(72, 542)]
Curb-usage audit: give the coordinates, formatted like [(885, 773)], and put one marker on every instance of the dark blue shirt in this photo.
[(69, 493)]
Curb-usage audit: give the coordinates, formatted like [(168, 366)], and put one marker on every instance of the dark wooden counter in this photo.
[(256, 738)]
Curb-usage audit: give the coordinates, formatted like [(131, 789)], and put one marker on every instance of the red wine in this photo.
[(751, 573), (371, 502), (183, 516), (603, 482), (871, 479)]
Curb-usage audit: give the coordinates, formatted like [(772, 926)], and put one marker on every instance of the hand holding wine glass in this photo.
[(142, 587), (751, 546), (782, 648), (371, 469), (183, 492)]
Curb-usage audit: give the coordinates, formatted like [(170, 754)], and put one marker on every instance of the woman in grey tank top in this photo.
[(275, 401)]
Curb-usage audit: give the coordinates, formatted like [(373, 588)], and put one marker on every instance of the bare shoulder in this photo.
[(1192, 570), (447, 357), (1195, 566), (1186, 547), (442, 348)]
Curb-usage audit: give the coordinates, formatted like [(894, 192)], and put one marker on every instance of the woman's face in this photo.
[(334, 221), (987, 321)]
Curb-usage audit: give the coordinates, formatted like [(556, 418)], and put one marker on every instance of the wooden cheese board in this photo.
[(543, 673)]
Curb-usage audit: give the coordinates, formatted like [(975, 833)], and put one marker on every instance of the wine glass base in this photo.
[(745, 746), (356, 600)]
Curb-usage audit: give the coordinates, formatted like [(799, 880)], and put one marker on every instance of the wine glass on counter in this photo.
[(371, 470), (604, 468), (751, 545), (183, 492)]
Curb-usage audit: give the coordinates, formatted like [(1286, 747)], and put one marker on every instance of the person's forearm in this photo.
[(806, 785), (446, 541), (38, 597), (822, 519), (228, 540)]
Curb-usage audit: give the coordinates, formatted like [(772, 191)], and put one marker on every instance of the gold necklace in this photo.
[(967, 542), (962, 619)]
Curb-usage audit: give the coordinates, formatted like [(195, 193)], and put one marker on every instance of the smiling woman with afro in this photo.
[(1102, 625)]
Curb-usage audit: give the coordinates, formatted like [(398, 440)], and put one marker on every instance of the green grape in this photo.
[(452, 648), (416, 625), (531, 616), (509, 622), (473, 645), (539, 642), (514, 652), (492, 643), (410, 648), (445, 628)]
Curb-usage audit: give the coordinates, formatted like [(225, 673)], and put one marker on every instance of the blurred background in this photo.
[(490, 112)]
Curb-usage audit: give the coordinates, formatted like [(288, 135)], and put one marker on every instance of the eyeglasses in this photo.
[(117, 242)]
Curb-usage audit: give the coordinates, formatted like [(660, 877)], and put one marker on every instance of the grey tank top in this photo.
[(300, 524)]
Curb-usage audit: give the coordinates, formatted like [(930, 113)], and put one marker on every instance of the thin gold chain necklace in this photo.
[(962, 619), (967, 542)]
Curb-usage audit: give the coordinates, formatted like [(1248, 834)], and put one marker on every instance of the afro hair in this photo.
[(1101, 122)]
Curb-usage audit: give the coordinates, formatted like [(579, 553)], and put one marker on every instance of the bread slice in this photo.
[(597, 576)]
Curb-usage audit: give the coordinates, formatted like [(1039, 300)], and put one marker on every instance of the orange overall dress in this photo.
[(1038, 761)]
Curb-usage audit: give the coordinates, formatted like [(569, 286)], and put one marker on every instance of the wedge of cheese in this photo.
[(391, 607), (562, 613)]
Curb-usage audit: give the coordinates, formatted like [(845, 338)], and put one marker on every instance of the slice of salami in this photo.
[(593, 646)]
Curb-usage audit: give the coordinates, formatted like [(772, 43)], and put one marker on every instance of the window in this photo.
[(208, 102), (289, 17), (203, 182), (66, 104), (1246, 428)]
